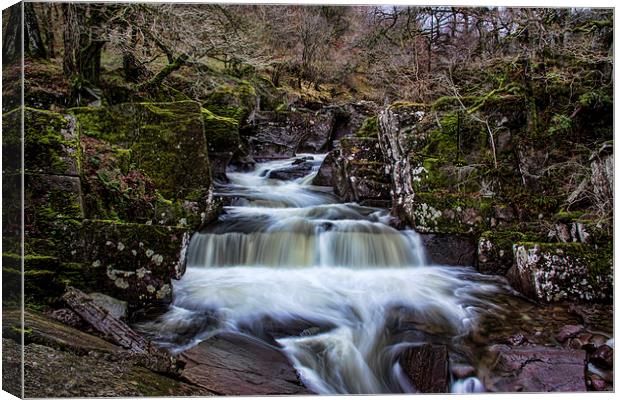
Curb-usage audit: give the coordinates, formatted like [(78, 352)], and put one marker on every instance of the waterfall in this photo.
[(286, 251)]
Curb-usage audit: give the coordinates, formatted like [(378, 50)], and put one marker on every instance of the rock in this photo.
[(494, 254), (167, 141), (50, 199), (88, 375), (536, 369), (598, 384), (283, 134), (427, 367), (603, 357), (116, 308), (457, 250), (51, 143), (132, 262), (232, 364), (295, 171), (223, 141), (325, 175), (562, 271), (567, 332), (361, 174), (602, 180), (395, 125), (49, 332), (462, 371)]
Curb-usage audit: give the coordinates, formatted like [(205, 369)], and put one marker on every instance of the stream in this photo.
[(338, 289)]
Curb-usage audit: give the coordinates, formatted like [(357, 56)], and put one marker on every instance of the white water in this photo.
[(287, 253)]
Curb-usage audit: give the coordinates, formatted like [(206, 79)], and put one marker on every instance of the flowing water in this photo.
[(340, 290)]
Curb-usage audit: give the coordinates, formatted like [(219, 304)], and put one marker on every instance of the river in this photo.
[(347, 291)]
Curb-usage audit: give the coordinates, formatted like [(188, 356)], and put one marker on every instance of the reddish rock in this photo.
[(231, 364), (567, 332), (536, 369), (427, 367), (603, 357), (461, 371)]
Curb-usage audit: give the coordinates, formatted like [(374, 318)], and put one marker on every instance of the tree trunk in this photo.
[(12, 41), (33, 44), (82, 57)]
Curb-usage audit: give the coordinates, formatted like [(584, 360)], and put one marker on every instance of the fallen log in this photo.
[(111, 327)]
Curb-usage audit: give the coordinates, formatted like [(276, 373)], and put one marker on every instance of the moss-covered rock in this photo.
[(51, 143), (132, 262), (551, 272), (234, 101), (361, 172), (49, 200), (166, 140)]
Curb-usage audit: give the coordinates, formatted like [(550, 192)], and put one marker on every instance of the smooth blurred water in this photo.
[(286, 254)]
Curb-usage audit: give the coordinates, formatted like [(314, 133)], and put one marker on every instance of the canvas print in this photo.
[(253, 199)]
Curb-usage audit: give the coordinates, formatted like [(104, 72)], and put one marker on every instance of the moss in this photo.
[(369, 128), (407, 104), (51, 144), (166, 140), (222, 132), (232, 101)]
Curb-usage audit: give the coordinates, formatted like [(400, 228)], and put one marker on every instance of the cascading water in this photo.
[(287, 253)]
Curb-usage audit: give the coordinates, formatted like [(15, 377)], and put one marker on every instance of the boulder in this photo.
[(536, 369), (427, 367), (552, 272), (223, 141), (325, 175), (282, 134), (132, 262), (362, 176), (459, 250), (167, 141), (51, 143), (568, 332), (295, 171), (116, 308), (233, 364)]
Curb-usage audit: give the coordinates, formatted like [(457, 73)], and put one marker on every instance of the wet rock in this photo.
[(232, 364), (325, 175), (536, 369), (564, 271), (427, 367), (567, 332), (517, 340), (598, 384), (282, 134), (116, 308), (396, 138), (603, 357), (361, 173), (462, 371), (458, 250), (295, 171)]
